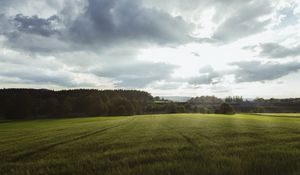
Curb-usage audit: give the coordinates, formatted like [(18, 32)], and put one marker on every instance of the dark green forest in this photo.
[(43, 103)]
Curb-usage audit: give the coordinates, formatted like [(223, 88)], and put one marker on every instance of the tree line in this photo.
[(32, 103), (43, 103)]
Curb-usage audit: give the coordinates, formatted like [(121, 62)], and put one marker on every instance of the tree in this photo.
[(19, 106), (202, 110), (121, 106), (181, 109), (259, 109), (226, 109), (51, 106), (103, 109), (157, 98), (171, 108), (41, 103)]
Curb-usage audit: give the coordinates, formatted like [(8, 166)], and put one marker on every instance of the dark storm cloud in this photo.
[(255, 71), (106, 22), (32, 34), (136, 74), (103, 23), (274, 50), (36, 25)]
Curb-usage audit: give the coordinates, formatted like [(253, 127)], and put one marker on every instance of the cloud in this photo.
[(94, 42), (255, 71), (288, 15), (32, 34), (102, 23), (151, 21), (31, 75), (195, 54), (36, 44), (109, 28), (136, 74), (245, 20), (43, 8), (207, 76), (6, 25), (121, 22), (250, 47), (274, 50), (36, 25), (125, 21), (166, 85), (227, 21), (40, 70), (140, 23)]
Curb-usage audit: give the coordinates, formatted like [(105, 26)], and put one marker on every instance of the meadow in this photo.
[(153, 145)]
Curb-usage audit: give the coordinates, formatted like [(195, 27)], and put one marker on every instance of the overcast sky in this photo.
[(176, 47)]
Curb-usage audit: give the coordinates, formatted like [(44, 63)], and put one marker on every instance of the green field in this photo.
[(153, 144)]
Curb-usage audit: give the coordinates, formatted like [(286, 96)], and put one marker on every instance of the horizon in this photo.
[(176, 48), (175, 98)]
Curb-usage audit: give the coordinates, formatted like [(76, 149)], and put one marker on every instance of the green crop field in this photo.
[(153, 144)]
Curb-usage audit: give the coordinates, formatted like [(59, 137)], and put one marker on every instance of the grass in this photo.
[(153, 145)]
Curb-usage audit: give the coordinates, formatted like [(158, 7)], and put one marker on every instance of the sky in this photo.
[(168, 48)]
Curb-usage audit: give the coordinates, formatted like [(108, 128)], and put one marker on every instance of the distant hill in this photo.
[(185, 99), (176, 98)]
